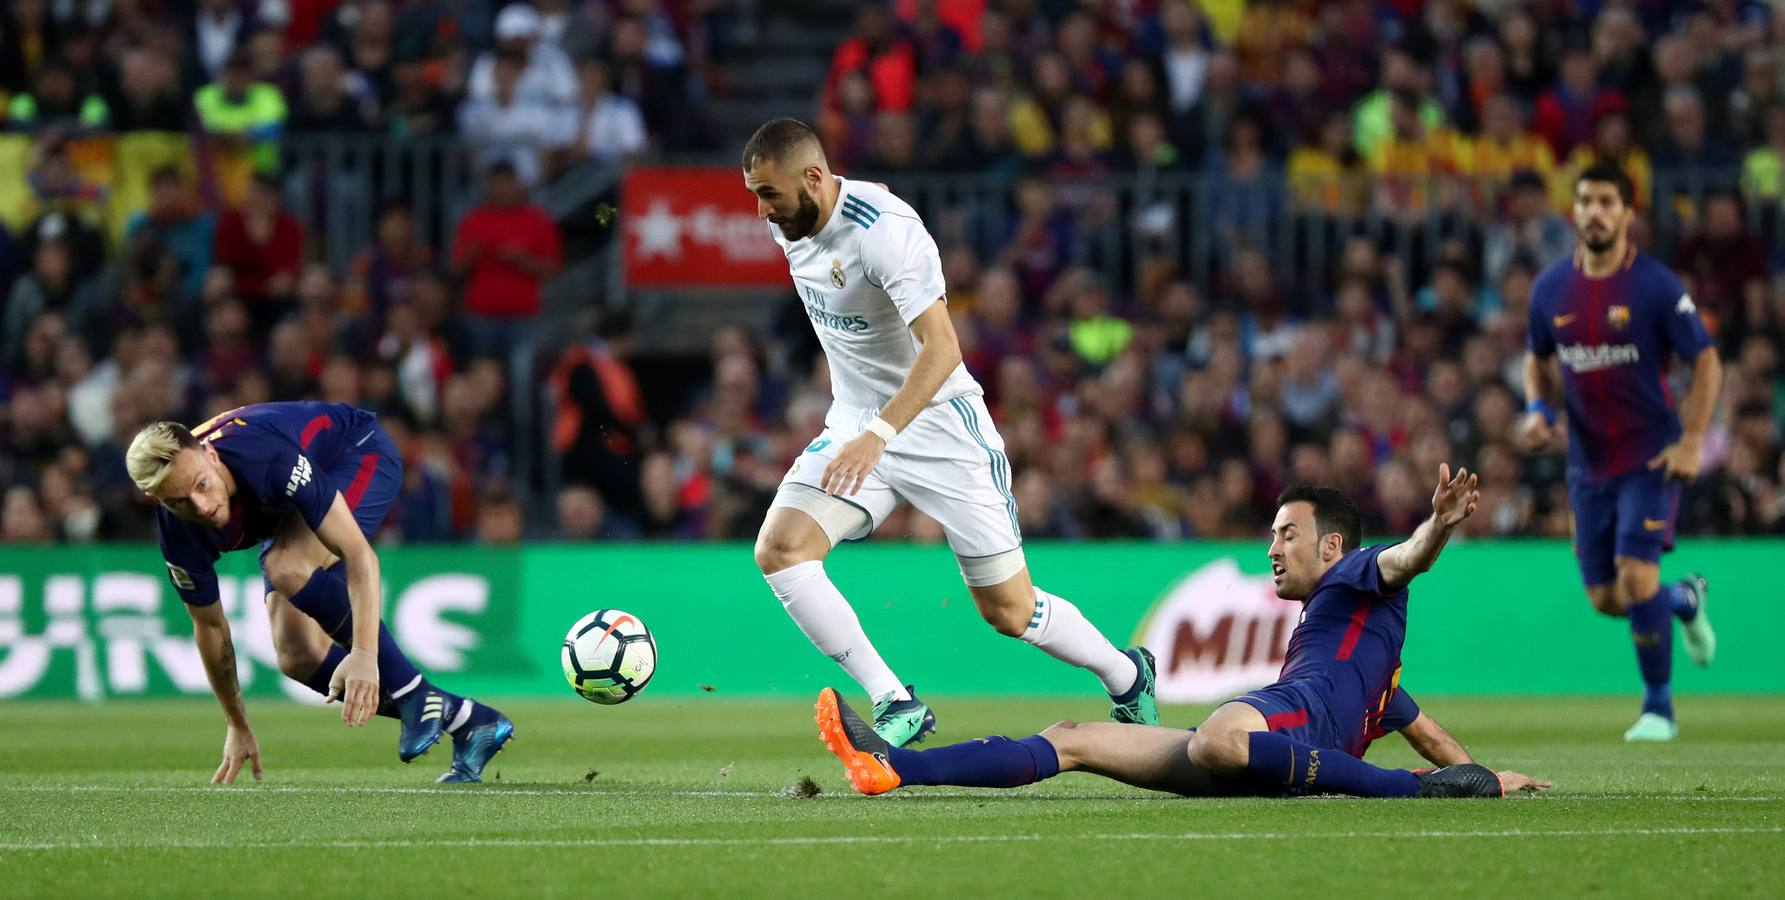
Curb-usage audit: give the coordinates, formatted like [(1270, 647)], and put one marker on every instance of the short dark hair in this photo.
[(777, 139), (1612, 174), (1333, 512)]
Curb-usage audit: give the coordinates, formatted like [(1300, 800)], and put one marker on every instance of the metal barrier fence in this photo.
[(335, 185), (1198, 221)]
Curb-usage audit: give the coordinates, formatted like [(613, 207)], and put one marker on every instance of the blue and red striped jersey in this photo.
[(1614, 337), (277, 453), (1348, 645)]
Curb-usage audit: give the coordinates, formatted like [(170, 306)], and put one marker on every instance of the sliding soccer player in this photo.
[(1339, 690)]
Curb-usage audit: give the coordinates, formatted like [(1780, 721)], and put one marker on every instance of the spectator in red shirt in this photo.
[(877, 51), (505, 249), (262, 246)]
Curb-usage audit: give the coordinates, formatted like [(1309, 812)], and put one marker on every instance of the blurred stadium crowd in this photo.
[(1157, 406)]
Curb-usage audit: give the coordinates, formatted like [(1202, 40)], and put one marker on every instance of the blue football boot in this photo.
[(476, 743), (422, 714)]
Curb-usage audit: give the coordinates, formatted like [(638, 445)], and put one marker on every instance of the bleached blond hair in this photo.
[(152, 451)]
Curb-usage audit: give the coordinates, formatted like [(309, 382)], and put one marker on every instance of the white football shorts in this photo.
[(949, 463)]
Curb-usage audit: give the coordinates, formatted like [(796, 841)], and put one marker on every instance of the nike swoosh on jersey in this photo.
[(1562, 321), (1654, 524)]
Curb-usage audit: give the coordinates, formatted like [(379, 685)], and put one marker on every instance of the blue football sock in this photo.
[(995, 761), (324, 598), (1651, 630), (318, 680), (1679, 601), (1281, 760)]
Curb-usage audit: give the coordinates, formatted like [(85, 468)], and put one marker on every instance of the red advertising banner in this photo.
[(688, 227)]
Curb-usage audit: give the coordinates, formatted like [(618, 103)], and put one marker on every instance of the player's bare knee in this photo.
[(287, 570), (1058, 728), (1006, 619), (777, 550), (1608, 600), (297, 653), (1638, 582), (1219, 751)]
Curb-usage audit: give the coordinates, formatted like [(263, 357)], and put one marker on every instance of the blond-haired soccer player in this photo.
[(309, 483)]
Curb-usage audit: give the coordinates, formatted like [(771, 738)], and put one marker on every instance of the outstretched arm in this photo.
[(211, 631), (939, 353), (355, 682), (1452, 502), (1431, 741)]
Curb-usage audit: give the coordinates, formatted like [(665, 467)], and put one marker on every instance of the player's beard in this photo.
[(804, 220), (1598, 244)]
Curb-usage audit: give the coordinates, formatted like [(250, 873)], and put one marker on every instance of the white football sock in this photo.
[(1062, 632), (829, 622)]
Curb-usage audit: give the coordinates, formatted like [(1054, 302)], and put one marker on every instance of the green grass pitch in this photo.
[(687, 798)]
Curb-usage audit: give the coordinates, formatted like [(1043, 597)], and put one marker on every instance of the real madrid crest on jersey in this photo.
[(837, 273), (1618, 316)]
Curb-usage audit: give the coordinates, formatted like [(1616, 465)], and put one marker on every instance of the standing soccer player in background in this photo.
[(1603, 325)]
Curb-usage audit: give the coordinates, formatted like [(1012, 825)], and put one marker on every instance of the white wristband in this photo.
[(883, 428)]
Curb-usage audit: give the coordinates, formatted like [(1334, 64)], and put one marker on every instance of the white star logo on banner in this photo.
[(659, 233)]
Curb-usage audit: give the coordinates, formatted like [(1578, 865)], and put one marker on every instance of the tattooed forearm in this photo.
[(219, 655)]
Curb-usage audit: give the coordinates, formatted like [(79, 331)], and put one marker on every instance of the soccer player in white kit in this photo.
[(906, 423)]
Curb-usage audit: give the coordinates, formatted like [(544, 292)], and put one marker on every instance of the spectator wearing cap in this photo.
[(239, 107), (505, 248), (546, 78), (514, 125)]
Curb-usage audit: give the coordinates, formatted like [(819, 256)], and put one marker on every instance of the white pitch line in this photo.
[(1185, 837), (494, 791)]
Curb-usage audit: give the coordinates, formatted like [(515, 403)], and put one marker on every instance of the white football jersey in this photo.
[(863, 278)]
